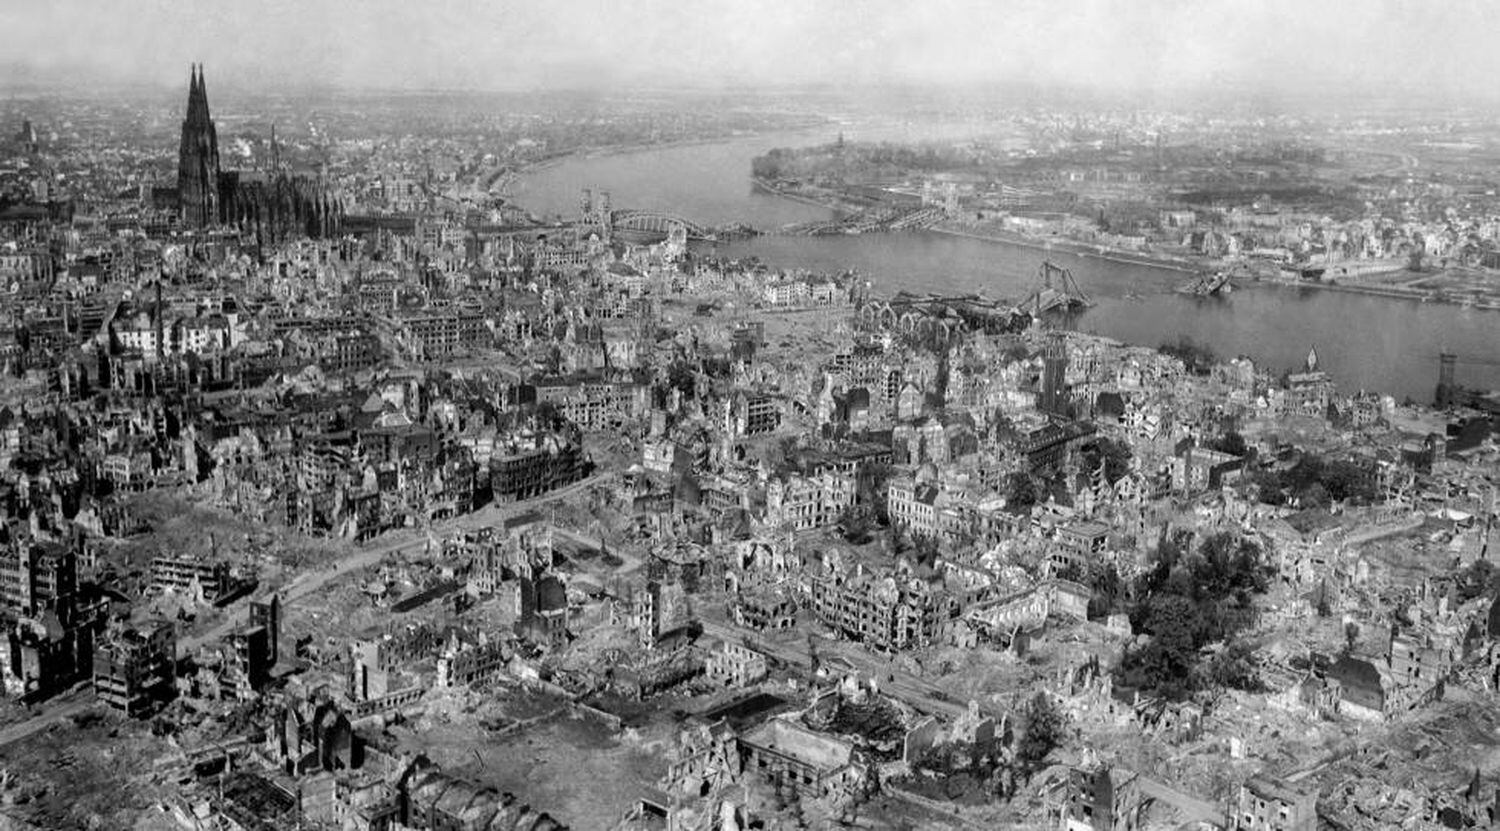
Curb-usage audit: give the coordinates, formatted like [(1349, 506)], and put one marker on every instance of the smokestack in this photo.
[(159, 345)]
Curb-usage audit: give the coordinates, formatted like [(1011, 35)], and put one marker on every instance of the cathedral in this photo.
[(271, 205)]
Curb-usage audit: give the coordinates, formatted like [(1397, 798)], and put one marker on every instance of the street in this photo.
[(301, 586), (889, 679)]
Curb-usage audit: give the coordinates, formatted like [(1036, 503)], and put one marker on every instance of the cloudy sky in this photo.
[(1337, 46)]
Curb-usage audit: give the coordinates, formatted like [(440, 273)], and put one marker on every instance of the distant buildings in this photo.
[(918, 477)]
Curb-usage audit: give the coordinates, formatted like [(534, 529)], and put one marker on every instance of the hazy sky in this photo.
[(1286, 45)]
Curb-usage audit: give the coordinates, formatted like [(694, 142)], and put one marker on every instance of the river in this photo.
[(1365, 342)]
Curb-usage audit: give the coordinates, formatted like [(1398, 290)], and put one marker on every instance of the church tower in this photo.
[(198, 159), (1054, 399)]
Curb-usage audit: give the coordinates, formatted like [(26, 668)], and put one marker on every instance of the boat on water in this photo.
[(1208, 285)]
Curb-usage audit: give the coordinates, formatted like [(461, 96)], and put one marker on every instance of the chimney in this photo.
[(159, 345)]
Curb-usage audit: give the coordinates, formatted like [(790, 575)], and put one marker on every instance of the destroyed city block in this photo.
[(359, 472)]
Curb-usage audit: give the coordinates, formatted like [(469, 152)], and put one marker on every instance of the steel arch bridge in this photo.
[(656, 222)]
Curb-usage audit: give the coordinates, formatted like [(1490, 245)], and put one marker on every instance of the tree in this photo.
[(1324, 607), (1188, 599), (1073, 572), (1108, 588), (1228, 565), (1235, 667), (925, 549), (1313, 496), (1198, 359), (1479, 579), (1020, 492), (1114, 453), (856, 522), (1174, 622), (1156, 669), (872, 486), (1231, 442), (1044, 732)]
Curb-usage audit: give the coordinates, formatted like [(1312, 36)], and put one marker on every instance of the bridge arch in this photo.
[(656, 222)]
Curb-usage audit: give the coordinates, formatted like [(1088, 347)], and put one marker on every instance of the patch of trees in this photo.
[(975, 773), (1109, 593), (923, 549), (1331, 198), (1480, 579), (968, 773), (860, 160), (1114, 453), (1020, 492), (1231, 442), (1127, 217), (1189, 599), (1198, 358), (872, 483), (875, 720), (1315, 482), (1045, 724), (1278, 152)]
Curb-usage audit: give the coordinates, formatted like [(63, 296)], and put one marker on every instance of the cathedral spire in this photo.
[(198, 158), (197, 109), (192, 89), (202, 93)]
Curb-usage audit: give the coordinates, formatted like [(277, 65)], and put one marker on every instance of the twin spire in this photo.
[(197, 108)]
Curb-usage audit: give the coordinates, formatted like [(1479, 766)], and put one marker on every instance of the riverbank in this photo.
[(771, 189), (1081, 249), (608, 150), (1367, 342), (640, 146), (1389, 292), (1114, 255)]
